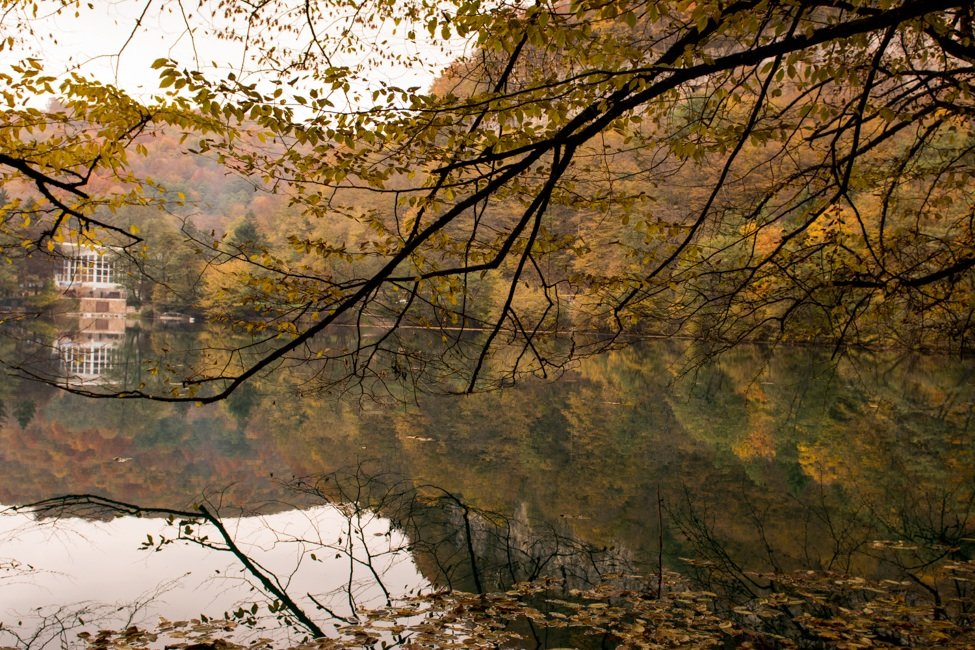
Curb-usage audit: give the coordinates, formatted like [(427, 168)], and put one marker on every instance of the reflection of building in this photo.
[(84, 360), (89, 277)]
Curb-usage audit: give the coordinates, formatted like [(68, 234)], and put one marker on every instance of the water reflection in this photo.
[(761, 462), (88, 354), (313, 572), (66, 575)]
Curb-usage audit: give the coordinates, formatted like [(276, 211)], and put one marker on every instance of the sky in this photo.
[(116, 41)]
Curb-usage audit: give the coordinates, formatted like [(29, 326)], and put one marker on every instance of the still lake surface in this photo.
[(772, 460)]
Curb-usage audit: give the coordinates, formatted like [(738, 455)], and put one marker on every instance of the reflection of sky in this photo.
[(73, 562), (115, 42)]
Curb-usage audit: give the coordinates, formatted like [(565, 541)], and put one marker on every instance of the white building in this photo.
[(90, 276)]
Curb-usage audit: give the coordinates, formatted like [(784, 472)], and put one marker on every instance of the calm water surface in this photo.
[(778, 460)]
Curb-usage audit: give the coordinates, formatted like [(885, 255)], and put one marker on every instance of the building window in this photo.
[(88, 268)]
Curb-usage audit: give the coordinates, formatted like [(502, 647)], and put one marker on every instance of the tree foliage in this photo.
[(775, 169)]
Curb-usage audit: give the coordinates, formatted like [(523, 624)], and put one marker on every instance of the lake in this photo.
[(759, 461)]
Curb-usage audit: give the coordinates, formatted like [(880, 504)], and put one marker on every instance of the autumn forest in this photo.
[(569, 323)]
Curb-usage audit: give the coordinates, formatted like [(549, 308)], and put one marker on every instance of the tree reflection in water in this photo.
[(492, 580), (767, 464), (378, 521)]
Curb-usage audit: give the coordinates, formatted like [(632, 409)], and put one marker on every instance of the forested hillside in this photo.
[(206, 224)]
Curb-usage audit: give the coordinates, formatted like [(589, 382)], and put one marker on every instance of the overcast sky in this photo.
[(109, 43)]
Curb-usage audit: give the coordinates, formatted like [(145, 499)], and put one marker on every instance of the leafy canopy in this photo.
[(750, 169)]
